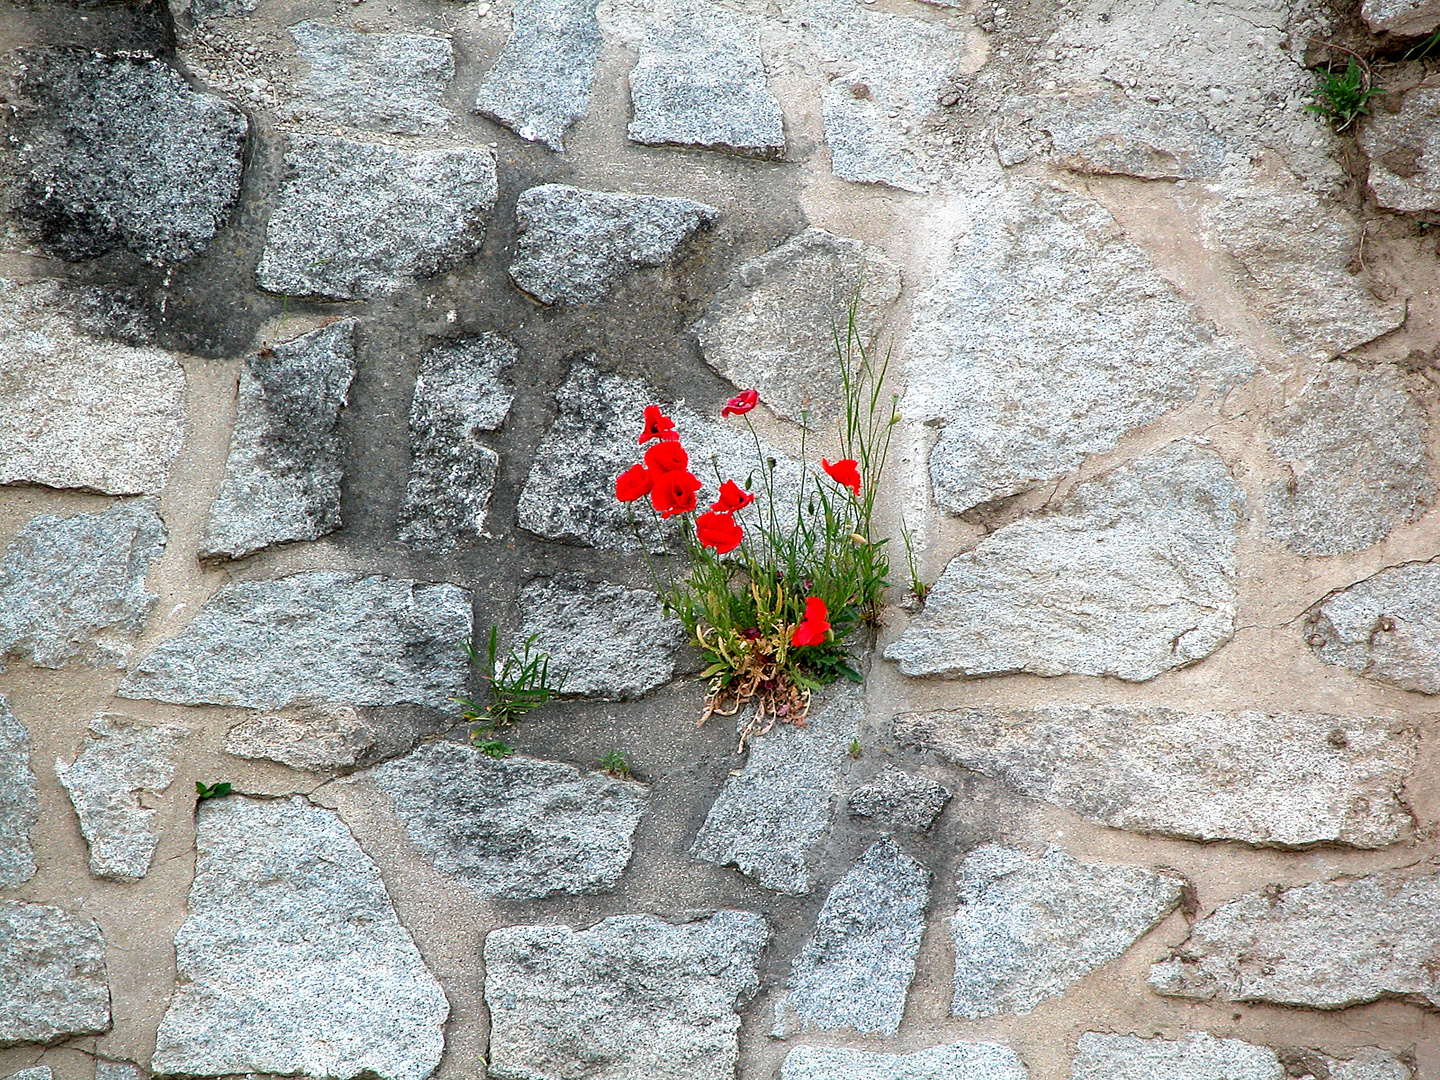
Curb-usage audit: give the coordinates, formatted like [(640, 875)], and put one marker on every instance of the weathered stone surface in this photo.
[(1353, 446), (35, 1072), (956, 1061), (541, 83), (570, 493), (700, 81), (514, 829), (575, 245), (291, 959), (1282, 780), (773, 326), (119, 151), (767, 817), (1293, 252), (282, 478), (116, 1070), (606, 640), (1109, 133), (633, 998), (1403, 18), (314, 637), (201, 10), (122, 761), (1402, 145), (357, 220), (459, 392), (899, 799), (314, 739), (856, 969), (384, 82), (52, 975), (1133, 575), (1201, 1056), (19, 808), (72, 590), (1385, 628), (1329, 945), (1049, 336), (78, 411), (1027, 928)]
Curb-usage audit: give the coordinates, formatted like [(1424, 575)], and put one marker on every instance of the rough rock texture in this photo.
[(315, 740), (700, 81), (1402, 144), (1027, 928), (1403, 18), (1109, 133), (857, 967), (1133, 575), (606, 640), (77, 410), (1354, 447), (72, 590), (1293, 252), (122, 762), (385, 82), (514, 829), (899, 800), (956, 1061), (767, 817), (1047, 338), (459, 393), (119, 151), (633, 998), (282, 478), (116, 1070), (1324, 946), (772, 327), (291, 959), (541, 83), (35, 1072), (357, 220), (575, 245), (1283, 780), (1201, 1056), (1386, 627), (570, 493), (315, 637), (52, 975), (19, 808)]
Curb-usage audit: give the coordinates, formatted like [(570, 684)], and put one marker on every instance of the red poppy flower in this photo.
[(674, 493), (846, 473), (813, 627), (632, 484), (731, 498), (718, 531), (657, 425), (666, 456), (741, 403)]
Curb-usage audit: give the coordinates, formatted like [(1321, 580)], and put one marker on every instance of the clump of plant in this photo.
[(1342, 97), (774, 604), (614, 764), (212, 791), (519, 683)]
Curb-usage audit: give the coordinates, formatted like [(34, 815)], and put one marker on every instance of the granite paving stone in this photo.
[(315, 739), (19, 806), (1385, 627), (1201, 1056), (1401, 144), (954, 1061), (1403, 18), (52, 975), (378, 81), (900, 800)]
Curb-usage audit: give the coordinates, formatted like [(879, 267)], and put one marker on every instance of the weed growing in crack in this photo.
[(519, 684), (1342, 98), (615, 765)]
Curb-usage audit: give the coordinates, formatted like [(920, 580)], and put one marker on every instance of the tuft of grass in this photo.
[(490, 746), (519, 684), (918, 588), (615, 765), (856, 750), (1343, 98)]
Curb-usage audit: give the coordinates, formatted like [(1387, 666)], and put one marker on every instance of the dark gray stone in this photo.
[(72, 590), (119, 151), (576, 245), (1201, 1056), (955, 1061), (384, 82), (52, 975), (311, 638), (282, 478), (19, 807), (899, 800), (514, 829), (1385, 628)]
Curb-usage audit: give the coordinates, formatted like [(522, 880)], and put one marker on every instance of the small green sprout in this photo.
[(214, 791), (1342, 97), (491, 747), (615, 765), (855, 749)]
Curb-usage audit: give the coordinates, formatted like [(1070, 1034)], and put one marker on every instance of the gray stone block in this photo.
[(72, 590), (955, 1061), (576, 245), (311, 638), (316, 740), (1385, 627), (514, 829), (1403, 18), (123, 760), (282, 477), (1401, 145), (119, 151), (1132, 575), (355, 220), (35, 1072), (632, 998), (899, 800), (117, 1070), (1201, 1056), (291, 958), (540, 84), (52, 975), (1271, 779), (383, 82), (19, 807), (1028, 928)]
